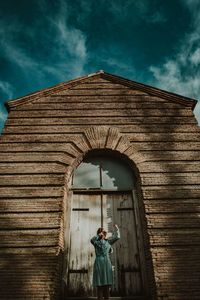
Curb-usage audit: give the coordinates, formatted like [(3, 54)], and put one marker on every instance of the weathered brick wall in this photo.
[(48, 133)]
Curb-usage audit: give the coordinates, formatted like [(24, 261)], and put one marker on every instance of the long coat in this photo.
[(102, 270)]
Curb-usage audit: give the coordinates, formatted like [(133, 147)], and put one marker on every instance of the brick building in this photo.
[(92, 152)]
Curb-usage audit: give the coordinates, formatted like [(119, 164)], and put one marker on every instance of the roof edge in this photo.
[(154, 91), (186, 101), (46, 91)]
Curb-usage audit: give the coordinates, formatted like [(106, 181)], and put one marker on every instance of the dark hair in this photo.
[(101, 229)]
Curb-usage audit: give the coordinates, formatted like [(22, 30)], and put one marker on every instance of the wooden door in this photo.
[(119, 209), (85, 217), (90, 211)]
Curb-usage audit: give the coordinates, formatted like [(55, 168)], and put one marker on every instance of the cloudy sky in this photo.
[(44, 42)]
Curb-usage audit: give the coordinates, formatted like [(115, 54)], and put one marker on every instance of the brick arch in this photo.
[(110, 138), (105, 137)]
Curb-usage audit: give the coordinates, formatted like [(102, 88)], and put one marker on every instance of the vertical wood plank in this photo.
[(86, 218)]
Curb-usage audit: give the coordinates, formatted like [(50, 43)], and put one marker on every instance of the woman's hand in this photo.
[(101, 235), (116, 226)]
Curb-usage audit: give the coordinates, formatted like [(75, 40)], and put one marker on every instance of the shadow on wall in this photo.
[(171, 190), (25, 272)]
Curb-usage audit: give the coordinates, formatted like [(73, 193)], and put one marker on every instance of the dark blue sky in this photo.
[(44, 42)]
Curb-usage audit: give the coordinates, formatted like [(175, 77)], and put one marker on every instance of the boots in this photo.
[(103, 292)]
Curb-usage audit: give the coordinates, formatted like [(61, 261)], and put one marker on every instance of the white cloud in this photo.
[(197, 112), (3, 116), (181, 74), (195, 57), (68, 44), (70, 39), (65, 46), (7, 89)]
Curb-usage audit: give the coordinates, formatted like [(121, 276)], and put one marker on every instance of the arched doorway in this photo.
[(103, 193)]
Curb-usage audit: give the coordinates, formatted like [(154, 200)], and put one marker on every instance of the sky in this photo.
[(45, 42)]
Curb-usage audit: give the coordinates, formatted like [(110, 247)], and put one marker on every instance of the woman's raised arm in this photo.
[(115, 236)]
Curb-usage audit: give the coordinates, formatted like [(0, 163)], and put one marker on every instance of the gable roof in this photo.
[(110, 77)]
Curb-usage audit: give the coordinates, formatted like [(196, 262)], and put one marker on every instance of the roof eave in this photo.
[(186, 101), (47, 91), (155, 91)]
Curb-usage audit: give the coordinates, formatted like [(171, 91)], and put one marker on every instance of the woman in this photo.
[(102, 272)]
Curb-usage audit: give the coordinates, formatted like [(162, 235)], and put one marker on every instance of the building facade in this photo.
[(91, 152)]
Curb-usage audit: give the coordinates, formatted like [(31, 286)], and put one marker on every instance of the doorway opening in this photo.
[(103, 193)]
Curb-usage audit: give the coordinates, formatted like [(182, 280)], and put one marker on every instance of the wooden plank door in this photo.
[(119, 209), (88, 213), (85, 218)]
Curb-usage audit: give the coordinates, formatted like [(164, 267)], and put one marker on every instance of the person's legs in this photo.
[(106, 292), (100, 292)]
